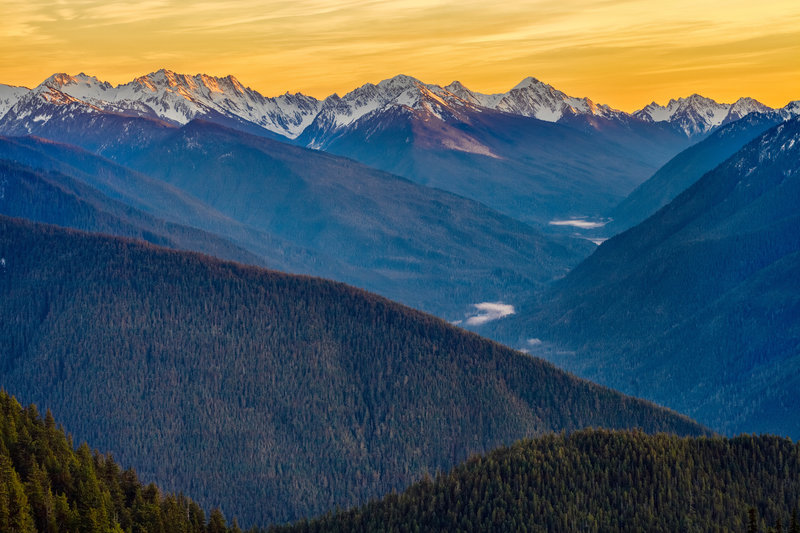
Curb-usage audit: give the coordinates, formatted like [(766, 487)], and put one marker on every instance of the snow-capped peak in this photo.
[(695, 114), (82, 86), (179, 98), (528, 82), (533, 98), (743, 107), (484, 100), (404, 91), (9, 96), (792, 109), (398, 83)]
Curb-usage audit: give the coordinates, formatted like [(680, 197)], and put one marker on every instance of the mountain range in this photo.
[(504, 150), (162, 338), (309, 212), (180, 98), (696, 307), (303, 393)]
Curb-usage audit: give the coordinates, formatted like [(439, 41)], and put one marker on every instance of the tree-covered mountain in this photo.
[(698, 307), (47, 486), (529, 169), (162, 202), (308, 212), (54, 198), (424, 247), (273, 396), (686, 168), (597, 481)]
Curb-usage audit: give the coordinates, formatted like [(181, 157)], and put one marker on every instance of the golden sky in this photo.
[(621, 53)]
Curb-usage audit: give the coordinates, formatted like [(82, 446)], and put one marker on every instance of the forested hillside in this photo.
[(54, 198), (47, 486), (422, 246), (698, 307), (301, 393), (121, 190), (686, 168), (598, 481), (307, 212)]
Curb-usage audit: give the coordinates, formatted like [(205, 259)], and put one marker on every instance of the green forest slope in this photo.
[(596, 480), (276, 397), (47, 486)]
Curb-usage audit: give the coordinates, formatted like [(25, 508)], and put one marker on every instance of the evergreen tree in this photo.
[(46, 486), (752, 521)]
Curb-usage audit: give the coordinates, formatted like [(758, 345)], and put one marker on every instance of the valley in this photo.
[(409, 307)]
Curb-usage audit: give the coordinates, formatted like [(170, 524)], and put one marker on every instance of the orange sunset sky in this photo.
[(621, 53)]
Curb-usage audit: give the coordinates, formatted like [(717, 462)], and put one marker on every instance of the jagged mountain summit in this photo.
[(697, 115), (179, 98), (454, 102), (371, 106), (10, 95), (533, 98), (400, 90)]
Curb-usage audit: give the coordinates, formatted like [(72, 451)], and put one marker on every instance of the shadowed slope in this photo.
[(301, 393)]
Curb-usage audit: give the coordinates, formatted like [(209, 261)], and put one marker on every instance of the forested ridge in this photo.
[(697, 307), (48, 486), (55, 198), (301, 393), (590, 480), (597, 480)]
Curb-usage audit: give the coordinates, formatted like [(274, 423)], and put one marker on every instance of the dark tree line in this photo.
[(48, 486), (597, 480)]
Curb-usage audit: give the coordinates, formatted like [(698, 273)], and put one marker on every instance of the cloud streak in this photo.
[(488, 312)]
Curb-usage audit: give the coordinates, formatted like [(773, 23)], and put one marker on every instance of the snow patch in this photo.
[(489, 311)]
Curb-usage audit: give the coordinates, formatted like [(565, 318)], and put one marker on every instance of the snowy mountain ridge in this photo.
[(179, 98), (401, 93), (533, 98), (9, 96), (698, 115)]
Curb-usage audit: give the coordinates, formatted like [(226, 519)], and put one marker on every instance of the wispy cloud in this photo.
[(489, 311)]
